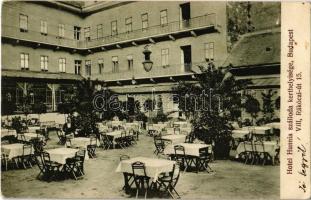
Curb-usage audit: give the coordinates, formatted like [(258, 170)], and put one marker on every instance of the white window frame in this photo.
[(163, 17), (115, 64), (43, 27), (129, 24), (23, 23), (88, 67), (209, 51), (61, 30), (24, 61), (144, 21), (62, 64), (100, 65), (165, 57), (100, 31), (78, 64), (87, 33), (44, 62), (114, 27)]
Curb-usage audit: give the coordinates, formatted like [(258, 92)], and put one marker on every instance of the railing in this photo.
[(14, 32), (172, 27), (177, 26), (156, 71)]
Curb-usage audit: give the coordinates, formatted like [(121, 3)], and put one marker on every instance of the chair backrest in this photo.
[(68, 142), (37, 145), (40, 162), (81, 154), (124, 157), (203, 152), (46, 157), (189, 138), (175, 175), (158, 141), (179, 150), (259, 146), (93, 141), (27, 149), (139, 168), (22, 137)]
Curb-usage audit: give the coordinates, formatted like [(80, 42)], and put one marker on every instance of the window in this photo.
[(23, 23), (61, 30), (77, 32), (114, 29), (24, 61), (164, 57), (115, 64), (100, 66), (209, 51), (128, 24), (144, 20), (163, 17), (43, 27), (78, 66), (62, 64), (99, 31), (88, 65), (130, 62), (44, 63), (87, 35)]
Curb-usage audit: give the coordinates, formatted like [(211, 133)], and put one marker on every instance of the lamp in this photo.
[(147, 63)]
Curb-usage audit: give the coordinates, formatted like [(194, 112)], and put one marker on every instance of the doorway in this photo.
[(185, 14), (186, 57)]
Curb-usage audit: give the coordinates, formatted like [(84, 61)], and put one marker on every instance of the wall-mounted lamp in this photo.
[(147, 63)]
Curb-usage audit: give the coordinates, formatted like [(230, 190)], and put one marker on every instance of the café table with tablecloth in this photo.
[(81, 142), (191, 149), (174, 139), (60, 155), (239, 133), (153, 166), (269, 147), (30, 136), (260, 130), (117, 134), (8, 132), (33, 129), (13, 150)]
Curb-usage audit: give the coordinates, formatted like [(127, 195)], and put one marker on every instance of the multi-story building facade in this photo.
[(49, 45)]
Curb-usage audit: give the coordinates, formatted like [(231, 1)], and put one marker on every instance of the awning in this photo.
[(40, 75), (142, 89)]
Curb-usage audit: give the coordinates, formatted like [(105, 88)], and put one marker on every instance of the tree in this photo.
[(252, 107), (268, 108), (212, 102)]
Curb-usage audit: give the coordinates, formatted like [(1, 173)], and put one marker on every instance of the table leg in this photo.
[(126, 182)]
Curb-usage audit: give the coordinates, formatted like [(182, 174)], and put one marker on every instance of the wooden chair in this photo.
[(75, 166), (105, 141), (61, 136), (141, 179), (248, 152), (91, 148), (168, 182), (159, 145), (202, 162), (180, 156), (27, 155)]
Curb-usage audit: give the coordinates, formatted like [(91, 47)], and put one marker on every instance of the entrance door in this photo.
[(185, 14), (186, 59)]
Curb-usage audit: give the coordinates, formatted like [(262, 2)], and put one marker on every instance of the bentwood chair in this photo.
[(168, 182), (105, 141), (91, 148), (27, 155), (159, 145), (180, 156), (128, 177), (202, 162), (141, 179)]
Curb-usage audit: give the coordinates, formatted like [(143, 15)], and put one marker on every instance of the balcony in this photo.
[(173, 28), (14, 32), (168, 72)]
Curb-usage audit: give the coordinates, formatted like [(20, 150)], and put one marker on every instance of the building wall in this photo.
[(36, 13), (11, 58)]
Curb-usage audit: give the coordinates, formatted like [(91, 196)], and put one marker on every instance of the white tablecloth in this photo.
[(8, 132), (185, 130), (174, 139), (269, 147), (153, 166), (239, 133), (275, 125), (183, 124), (13, 150), (29, 136), (258, 129), (61, 154), (80, 142), (191, 149), (33, 129)]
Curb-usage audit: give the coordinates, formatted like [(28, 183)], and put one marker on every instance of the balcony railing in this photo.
[(173, 27), (154, 31), (156, 71), (14, 32)]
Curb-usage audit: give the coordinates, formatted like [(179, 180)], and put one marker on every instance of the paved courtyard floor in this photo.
[(231, 179)]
